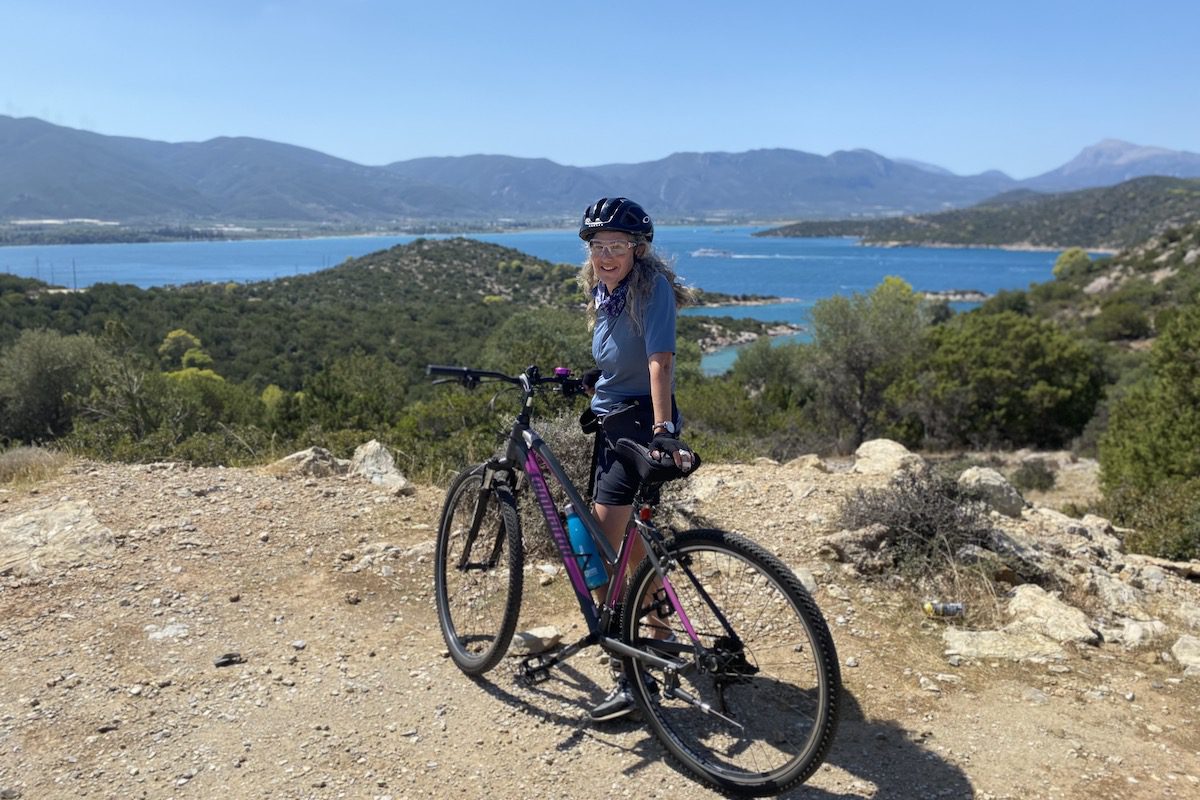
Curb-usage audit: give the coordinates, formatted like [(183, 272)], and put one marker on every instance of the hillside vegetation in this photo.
[(1108, 218), (225, 374)]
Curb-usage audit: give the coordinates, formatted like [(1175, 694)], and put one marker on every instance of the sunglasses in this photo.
[(616, 249)]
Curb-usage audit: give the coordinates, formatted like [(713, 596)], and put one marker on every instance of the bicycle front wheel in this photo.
[(755, 709), (478, 571)]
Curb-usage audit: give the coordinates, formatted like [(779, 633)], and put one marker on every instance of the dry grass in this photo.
[(24, 466)]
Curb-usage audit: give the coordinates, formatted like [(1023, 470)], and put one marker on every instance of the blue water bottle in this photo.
[(584, 547)]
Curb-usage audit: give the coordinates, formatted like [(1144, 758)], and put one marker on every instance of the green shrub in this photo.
[(1033, 475), (1118, 321), (1153, 435), (1165, 520)]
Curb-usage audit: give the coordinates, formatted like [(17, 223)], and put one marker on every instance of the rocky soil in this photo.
[(177, 632)]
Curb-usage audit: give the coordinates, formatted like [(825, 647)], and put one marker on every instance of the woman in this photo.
[(633, 295)]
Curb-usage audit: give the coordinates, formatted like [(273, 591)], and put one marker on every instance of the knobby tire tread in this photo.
[(470, 662), (818, 637)]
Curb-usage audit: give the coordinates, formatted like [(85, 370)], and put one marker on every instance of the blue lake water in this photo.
[(719, 259)]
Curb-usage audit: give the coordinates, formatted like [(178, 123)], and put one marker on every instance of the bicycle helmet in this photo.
[(616, 214)]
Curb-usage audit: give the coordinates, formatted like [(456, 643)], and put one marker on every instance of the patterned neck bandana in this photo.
[(611, 304)]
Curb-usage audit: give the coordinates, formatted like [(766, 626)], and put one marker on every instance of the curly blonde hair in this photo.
[(646, 266)]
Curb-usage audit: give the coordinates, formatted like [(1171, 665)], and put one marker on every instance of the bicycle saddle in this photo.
[(652, 470)]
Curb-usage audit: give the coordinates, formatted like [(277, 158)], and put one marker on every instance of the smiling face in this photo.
[(609, 262)]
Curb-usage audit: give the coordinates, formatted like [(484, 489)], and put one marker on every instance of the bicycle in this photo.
[(726, 654)]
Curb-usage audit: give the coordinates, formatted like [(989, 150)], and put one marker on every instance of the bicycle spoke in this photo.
[(755, 710), (478, 572)]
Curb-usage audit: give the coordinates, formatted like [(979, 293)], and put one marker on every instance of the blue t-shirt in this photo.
[(622, 354)]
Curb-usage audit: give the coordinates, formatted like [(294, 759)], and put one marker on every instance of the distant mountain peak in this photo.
[(1116, 151), (1112, 161)]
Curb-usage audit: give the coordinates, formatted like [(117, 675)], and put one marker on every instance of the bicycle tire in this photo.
[(478, 605), (777, 677)]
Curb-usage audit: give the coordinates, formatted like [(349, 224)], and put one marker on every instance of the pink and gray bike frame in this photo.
[(537, 454)]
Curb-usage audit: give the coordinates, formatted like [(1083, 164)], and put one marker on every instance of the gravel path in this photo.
[(249, 635)]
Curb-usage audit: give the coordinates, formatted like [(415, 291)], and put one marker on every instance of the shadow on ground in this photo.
[(877, 758)]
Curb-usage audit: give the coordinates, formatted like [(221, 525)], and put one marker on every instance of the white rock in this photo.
[(884, 457), (1187, 652), (1013, 643), (1040, 611), (66, 533), (535, 640), (373, 461), (993, 489)]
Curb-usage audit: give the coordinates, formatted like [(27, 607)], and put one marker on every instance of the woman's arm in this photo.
[(661, 365)]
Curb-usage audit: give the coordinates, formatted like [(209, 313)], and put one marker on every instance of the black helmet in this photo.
[(616, 214)]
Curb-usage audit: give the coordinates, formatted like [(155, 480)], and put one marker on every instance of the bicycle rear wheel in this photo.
[(478, 571), (755, 713)]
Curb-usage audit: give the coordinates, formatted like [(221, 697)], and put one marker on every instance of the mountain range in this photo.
[(1101, 218), (50, 171)]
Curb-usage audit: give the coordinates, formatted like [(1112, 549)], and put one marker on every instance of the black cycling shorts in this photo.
[(615, 483)]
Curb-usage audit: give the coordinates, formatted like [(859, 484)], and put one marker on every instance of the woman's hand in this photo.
[(668, 445), (588, 381)]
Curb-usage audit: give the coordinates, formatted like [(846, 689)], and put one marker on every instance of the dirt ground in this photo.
[(341, 688)]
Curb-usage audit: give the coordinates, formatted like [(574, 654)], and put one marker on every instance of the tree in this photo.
[(1153, 435), (776, 376), (860, 345), (1071, 262), (361, 392), (1002, 379), (547, 337), (44, 376), (175, 345)]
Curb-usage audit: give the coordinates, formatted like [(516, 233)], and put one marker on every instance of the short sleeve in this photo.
[(659, 318)]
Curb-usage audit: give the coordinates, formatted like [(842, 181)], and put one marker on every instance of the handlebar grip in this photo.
[(442, 369)]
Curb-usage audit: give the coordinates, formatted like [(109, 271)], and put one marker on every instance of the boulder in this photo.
[(1136, 632), (65, 534), (865, 548), (315, 461), (885, 458), (1012, 643), (1118, 597), (1187, 652), (810, 461), (535, 640), (374, 462), (992, 488), (1038, 610)]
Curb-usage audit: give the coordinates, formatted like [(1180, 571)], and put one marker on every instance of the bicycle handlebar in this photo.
[(530, 379)]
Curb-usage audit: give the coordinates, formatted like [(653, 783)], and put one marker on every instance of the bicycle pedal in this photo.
[(535, 670)]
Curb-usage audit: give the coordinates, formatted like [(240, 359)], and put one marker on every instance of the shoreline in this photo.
[(758, 301), (1020, 247)]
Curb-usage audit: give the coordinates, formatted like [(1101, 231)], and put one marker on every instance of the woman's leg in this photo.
[(613, 521)]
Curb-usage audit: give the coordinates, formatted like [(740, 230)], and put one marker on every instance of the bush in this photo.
[(44, 377), (927, 516), (1002, 379), (1153, 435), (1165, 520), (1119, 321), (1033, 475)]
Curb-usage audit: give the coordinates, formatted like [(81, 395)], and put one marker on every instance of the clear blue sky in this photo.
[(1018, 86)]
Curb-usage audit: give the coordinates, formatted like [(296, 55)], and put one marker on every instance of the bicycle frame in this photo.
[(528, 453)]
